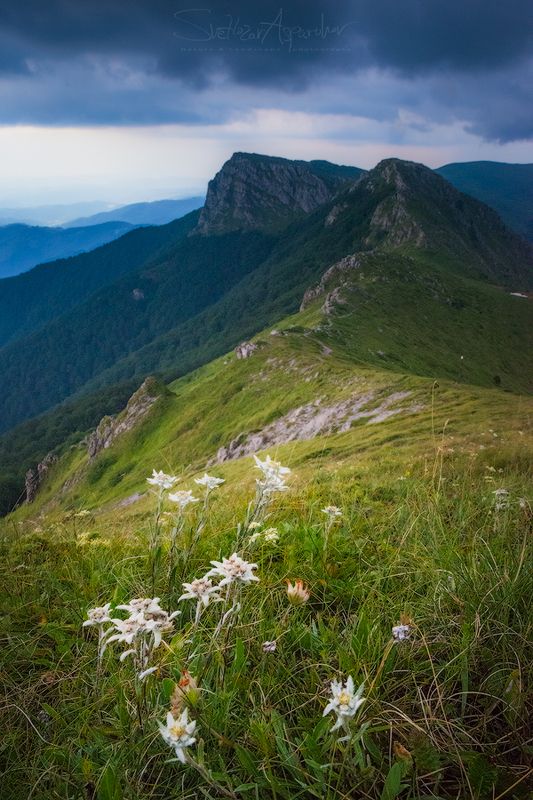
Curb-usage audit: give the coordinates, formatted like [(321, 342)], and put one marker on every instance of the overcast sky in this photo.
[(125, 100)]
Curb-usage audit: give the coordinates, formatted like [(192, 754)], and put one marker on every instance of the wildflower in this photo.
[(254, 525), (273, 476), (297, 593), (345, 702), (233, 570), (147, 605), (269, 647), (185, 689), (401, 632), (203, 591), (501, 499), (162, 480), (98, 615), (332, 512), (209, 482), (269, 535), (178, 733), (183, 499)]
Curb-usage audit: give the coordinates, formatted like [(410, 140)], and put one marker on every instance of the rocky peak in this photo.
[(35, 477), (253, 191), (109, 428)]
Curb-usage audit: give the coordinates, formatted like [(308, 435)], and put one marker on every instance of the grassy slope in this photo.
[(419, 536)]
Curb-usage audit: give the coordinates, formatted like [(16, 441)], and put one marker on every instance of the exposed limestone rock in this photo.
[(35, 477), (334, 214), (138, 406), (340, 272), (252, 191), (313, 419), (245, 349)]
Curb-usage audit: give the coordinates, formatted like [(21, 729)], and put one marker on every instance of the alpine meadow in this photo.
[(266, 448)]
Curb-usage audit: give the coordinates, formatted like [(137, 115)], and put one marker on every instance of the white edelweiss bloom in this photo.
[(401, 632), (127, 629), (183, 499), (209, 481), (98, 615), (233, 570), (146, 605), (254, 525), (270, 647), (178, 733), (332, 511), (270, 467), (161, 480), (344, 702), (201, 589)]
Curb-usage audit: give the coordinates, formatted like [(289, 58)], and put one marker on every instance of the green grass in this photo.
[(421, 540)]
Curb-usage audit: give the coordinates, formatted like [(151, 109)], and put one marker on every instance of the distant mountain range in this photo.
[(158, 212), (417, 273), (508, 188), (23, 246)]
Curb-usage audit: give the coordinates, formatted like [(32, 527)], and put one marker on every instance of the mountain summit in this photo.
[(254, 191)]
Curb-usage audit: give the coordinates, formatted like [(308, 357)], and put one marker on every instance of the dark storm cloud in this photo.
[(164, 45)]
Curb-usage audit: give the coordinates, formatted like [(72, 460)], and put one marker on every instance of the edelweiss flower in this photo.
[(201, 589), (178, 733), (209, 482), (183, 499), (297, 593), (345, 702), (127, 629), (332, 511), (273, 473), (98, 615), (162, 480), (401, 632), (233, 570), (148, 606), (269, 647)]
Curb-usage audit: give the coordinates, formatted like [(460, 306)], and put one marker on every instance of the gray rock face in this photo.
[(35, 477), (109, 428), (245, 349), (337, 275), (316, 419), (252, 191)]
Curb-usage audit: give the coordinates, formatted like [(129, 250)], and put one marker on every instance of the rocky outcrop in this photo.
[(336, 276), (35, 477), (139, 404), (254, 191), (315, 419), (245, 349)]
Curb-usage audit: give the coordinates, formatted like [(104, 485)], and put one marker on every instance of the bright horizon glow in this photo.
[(119, 165)]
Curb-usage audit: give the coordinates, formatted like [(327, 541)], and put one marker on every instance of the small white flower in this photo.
[(146, 605), (269, 647), (270, 535), (401, 632), (183, 499), (209, 482), (162, 480), (201, 589), (233, 570), (254, 525), (273, 480), (345, 702), (127, 629), (98, 615), (178, 733), (332, 511), (501, 499)]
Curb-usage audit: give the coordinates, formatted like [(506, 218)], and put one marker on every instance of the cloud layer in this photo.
[(106, 62)]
